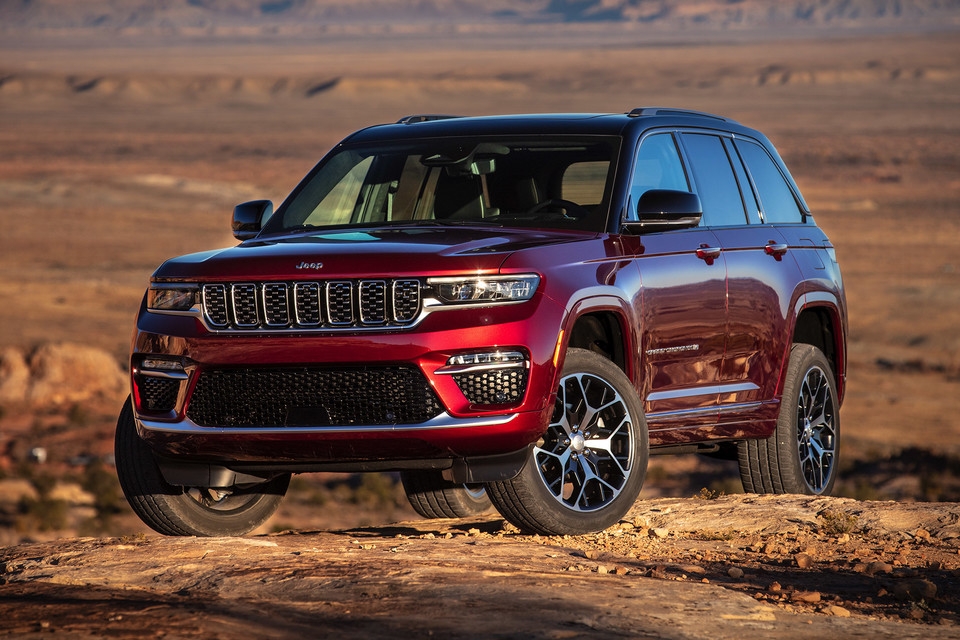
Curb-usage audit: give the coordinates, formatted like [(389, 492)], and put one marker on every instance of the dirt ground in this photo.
[(725, 568), (115, 155)]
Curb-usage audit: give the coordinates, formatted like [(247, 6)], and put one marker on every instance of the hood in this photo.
[(365, 253)]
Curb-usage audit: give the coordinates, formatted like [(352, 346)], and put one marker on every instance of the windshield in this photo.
[(547, 182)]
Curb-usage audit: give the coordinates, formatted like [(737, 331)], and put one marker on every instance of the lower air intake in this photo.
[(308, 396)]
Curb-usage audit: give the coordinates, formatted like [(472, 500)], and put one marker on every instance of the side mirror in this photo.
[(249, 218), (665, 209)]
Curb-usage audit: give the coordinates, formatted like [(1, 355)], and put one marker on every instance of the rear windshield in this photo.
[(556, 182)]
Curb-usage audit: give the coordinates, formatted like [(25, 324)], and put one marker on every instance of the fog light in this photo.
[(486, 358), (161, 364)]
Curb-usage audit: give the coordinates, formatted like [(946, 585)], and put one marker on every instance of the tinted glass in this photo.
[(776, 198), (719, 192), (658, 166), (509, 181), (584, 182), (746, 190)]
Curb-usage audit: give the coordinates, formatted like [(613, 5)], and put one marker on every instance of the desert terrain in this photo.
[(125, 141)]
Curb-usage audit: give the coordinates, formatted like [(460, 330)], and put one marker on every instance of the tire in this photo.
[(802, 455), (587, 469), (179, 511), (433, 497)]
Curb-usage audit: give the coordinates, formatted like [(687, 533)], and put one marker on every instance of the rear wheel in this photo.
[(187, 511), (802, 454), (433, 497), (587, 470)]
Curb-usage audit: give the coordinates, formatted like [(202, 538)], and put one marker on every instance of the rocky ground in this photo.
[(709, 567)]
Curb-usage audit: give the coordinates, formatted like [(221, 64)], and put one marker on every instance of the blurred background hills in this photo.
[(293, 17)]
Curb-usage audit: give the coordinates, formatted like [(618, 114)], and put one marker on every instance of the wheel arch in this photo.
[(601, 325), (819, 323)]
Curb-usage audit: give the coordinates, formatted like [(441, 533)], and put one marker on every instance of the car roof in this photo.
[(612, 124)]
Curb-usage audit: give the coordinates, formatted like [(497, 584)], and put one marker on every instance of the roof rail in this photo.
[(424, 117), (667, 111)]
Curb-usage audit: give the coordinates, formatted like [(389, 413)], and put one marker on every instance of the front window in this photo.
[(547, 182)]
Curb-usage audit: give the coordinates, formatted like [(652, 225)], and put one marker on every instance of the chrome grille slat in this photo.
[(335, 304), (340, 303), (275, 305), (215, 305), (244, 298), (307, 297), (373, 302), (406, 300)]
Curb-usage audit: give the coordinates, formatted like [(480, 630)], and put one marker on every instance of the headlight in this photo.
[(483, 289), (179, 297)]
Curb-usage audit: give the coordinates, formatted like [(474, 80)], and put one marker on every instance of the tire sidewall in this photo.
[(553, 515), (803, 359), (167, 508)]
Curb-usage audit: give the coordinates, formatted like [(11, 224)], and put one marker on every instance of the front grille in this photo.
[(333, 304), (496, 386), (158, 394), (308, 396)]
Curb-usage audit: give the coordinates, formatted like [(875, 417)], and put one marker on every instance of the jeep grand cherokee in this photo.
[(513, 310)]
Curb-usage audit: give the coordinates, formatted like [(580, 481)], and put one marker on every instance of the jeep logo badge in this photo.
[(310, 265)]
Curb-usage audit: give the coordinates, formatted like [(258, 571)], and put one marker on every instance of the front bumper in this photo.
[(453, 426)]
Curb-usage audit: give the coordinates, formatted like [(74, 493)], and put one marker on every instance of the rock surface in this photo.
[(59, 374), (673, 568)]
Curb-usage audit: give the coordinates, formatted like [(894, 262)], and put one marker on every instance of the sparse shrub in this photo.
[(716, 535), (656, 473), (864, 489), (105, 488), (376, 490), (42, 514), (137, 537), (306, 492), (708, 494), (77, 416), (931, 486), (838, 522), (43, 483)]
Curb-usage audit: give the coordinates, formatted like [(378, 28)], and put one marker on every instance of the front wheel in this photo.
[(802, 454), (187, 511), (587, 470)]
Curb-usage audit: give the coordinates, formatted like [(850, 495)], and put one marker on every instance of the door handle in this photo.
[(707, 253), (775, 249)]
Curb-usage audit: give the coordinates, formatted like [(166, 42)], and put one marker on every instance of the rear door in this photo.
[(761, 280)]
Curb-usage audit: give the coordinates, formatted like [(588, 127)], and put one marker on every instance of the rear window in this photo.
[(584, 182)]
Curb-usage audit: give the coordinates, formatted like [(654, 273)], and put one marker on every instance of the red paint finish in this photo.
[(701, 319)]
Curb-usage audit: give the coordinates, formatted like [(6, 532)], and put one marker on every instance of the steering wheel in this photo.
[(573, 210)]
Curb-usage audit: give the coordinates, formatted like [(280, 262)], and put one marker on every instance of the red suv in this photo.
[(513, 310)]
